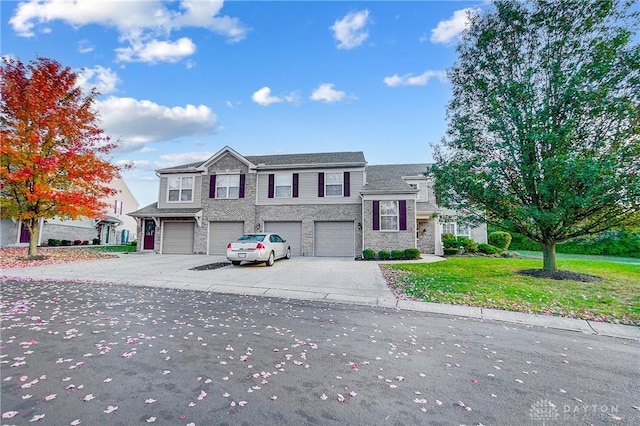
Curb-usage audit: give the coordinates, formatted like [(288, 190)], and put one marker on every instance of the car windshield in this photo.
[(252, 237)]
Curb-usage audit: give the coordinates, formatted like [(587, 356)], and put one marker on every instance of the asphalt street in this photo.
[(99, 354)]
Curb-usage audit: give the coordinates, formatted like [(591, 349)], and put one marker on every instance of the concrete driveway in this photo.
[(303, 278), (309, 278)]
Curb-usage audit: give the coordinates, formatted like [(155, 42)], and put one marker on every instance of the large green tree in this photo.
[(544, 121), (52, 152)]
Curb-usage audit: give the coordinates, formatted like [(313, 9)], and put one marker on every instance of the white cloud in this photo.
[(350, 31), (104, 80), (263, 97), (446, 31), (138, 22), (167, 160), (137, 123), (84, 46), (185, 157), (415, 80), (326, 93), (156, 51)]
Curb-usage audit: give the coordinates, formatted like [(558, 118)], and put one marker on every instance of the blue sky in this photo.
[(179, 80)]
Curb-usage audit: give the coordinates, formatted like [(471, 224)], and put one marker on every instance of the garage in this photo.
[(290, 231), (177, 238), (334, 239), (221, 234)]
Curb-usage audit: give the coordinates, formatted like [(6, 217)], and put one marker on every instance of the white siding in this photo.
[(308, 188)]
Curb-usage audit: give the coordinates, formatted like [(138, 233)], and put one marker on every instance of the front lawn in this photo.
[(494, 283)]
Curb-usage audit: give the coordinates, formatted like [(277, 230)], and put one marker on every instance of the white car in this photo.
[(261, 247)]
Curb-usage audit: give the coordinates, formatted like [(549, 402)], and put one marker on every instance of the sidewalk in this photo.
[(337, 280)]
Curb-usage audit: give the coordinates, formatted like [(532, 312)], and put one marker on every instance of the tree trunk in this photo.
[(33, 226), (549, 256)]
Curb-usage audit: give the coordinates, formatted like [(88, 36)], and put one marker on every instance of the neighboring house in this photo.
[(325, 204), (115, 227)]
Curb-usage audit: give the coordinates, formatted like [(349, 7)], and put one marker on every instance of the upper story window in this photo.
[(228, 186), (180, 189), (284, 185), (389, 215), (333, 184), (117, 207), (421, 186)]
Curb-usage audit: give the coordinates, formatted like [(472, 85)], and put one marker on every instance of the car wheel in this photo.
[(235, 262), (271, 260), (288, 255)]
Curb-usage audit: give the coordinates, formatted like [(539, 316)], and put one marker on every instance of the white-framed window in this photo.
[(117, 207), (422, 187), (333, 184), (457, 229), (449, 228), (283, 185), (180, 189), (227, 186), (389, 220), (463, 230)]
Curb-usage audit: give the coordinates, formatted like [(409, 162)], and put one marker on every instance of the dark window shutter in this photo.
[(346, 182), (272, 179), (376, 215), (241, 190), (295, 185), (320, 184), (212, 186), (403, 214)]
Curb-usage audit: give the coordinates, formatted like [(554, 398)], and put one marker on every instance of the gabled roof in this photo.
[(322, 159), (355, 158), (191, 167), (390, 177), (153, 210)]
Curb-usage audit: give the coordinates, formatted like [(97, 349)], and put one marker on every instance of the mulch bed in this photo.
[(560, 275)]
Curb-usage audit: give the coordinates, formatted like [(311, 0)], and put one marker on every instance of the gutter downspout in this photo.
[(362, 222)]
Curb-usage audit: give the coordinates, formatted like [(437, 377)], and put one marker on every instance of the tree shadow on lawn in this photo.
[(560, 275)]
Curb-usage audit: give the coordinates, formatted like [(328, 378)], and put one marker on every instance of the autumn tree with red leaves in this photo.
[(52, 152)]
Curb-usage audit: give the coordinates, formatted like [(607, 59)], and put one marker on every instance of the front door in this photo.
[(25, 237), (149, 234)]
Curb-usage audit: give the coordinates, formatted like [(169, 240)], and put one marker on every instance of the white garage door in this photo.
[(290, 231), (221, 234), (334, 239), (177, 238)]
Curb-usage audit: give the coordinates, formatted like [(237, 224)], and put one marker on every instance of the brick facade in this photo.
[(309, 200)]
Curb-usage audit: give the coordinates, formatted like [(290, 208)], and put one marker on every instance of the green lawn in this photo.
[(538, 255), (493, 283), (124, 248)]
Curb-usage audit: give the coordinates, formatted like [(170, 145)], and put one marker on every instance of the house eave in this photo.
[(265, 167), (178, 171), (388, 192), (167, 214)]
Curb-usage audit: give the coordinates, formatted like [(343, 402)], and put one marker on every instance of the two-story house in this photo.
[(324, 204), (113, 227)]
